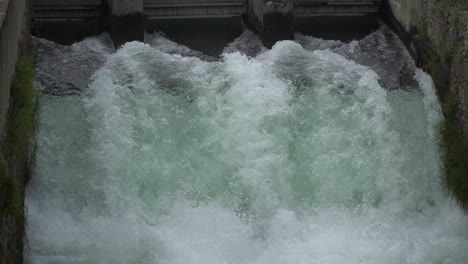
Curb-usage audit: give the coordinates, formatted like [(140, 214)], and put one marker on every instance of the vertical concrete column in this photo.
[(126, 21), (273, 20)]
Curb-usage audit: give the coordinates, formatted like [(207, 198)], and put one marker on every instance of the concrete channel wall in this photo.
[(12, 14), (442, 28)]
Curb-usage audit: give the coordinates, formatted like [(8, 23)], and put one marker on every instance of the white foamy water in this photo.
[(293, 155)]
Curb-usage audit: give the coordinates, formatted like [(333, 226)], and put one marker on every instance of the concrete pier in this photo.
[(126, 21), (273, 20)]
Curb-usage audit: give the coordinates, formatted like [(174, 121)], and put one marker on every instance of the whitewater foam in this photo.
[(288, 155)]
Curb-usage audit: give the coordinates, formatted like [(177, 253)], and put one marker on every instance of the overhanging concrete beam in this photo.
[(173, 9)]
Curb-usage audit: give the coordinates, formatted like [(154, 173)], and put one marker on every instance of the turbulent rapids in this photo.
[(312, 152)]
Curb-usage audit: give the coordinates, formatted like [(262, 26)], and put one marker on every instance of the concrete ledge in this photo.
[(125, 7), (67, 13), (11, 29), (182, 4), (335, 10), (160, 9), (182, 11)]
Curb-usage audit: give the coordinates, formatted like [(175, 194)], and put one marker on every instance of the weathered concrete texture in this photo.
[(11, 241), (67, 10), (443, 29), (3, 8), (460, 71), (10, 33), (398, 15), (454, 70), (273, 20), (205, 9), (307, 8), (403, 11), (125, 7), (126, 21)]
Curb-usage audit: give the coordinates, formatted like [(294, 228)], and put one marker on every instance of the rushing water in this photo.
[(312, 152)]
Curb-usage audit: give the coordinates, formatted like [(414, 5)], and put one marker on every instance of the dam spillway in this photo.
[(316, 151)]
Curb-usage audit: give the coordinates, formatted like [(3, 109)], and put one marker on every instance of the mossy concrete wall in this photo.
[(436, 34), (13, 27), (12, 13)]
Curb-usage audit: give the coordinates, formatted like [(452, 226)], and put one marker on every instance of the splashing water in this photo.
[(298, 154)]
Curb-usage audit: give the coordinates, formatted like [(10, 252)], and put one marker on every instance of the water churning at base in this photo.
[(312, 152)]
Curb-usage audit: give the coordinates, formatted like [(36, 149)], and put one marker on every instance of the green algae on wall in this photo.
[(454, 154), (10, 199), (15, 159), (441, 38), (21, 121)]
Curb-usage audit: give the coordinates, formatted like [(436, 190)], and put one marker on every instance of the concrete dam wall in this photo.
[(436, 34), (272, 20), (428, 28), (13, 27)]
